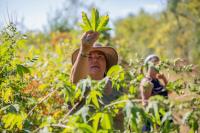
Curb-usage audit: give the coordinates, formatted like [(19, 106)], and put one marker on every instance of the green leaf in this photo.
[(84, 27), (140, 77), (84, 127), (166, 117), (95, 121), (102, 29), (21, 70), (128, 109), (195, 125), (106, 121), (84, 85), (97, 23), (132, 89), (10, 120), (114, 71), (93, 96), (86, 21), (21, 42), (133, 115), (156, 113), (103, 22), (7, 95), (95, 19), (103, 131)]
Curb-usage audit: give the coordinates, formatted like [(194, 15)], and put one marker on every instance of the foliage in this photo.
[(37, 96), (172, 33), (97, 23)]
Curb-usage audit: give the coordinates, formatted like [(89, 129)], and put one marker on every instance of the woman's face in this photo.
[(97, 65), (153, 73)]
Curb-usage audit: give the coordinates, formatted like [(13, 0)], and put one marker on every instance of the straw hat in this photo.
[(109, 52)]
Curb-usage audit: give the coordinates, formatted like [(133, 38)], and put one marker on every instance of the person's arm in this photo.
[(163, 78), (80, 67), (145, 91)]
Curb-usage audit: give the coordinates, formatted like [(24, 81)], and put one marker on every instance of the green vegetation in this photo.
[(170, 34), (97, 23), (37, 96)]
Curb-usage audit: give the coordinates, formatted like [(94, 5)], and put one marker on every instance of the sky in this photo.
[(34, 12)]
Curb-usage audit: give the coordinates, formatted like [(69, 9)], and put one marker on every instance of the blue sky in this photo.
[(34, 12)]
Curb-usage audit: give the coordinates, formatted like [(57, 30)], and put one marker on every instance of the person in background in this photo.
[(153, 83)]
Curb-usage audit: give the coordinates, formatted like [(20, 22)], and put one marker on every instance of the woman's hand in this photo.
[(162, 77), (87, 40)]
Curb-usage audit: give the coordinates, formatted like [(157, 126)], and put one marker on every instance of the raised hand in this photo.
[(88, 39)]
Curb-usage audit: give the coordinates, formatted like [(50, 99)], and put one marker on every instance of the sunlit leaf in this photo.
[(103, 22), (97, 23), (7, 95), (95, 121), (93, 96), (10, 120), (95, 19), (106, 121)]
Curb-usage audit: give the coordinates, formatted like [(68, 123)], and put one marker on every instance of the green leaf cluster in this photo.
[(11, 120), (97, 23)]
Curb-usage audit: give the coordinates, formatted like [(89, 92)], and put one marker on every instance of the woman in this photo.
[(94, 60), (150, 84)]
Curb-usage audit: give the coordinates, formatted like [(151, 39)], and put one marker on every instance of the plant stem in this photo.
[(68, 113), (122, 101), (43, 99)]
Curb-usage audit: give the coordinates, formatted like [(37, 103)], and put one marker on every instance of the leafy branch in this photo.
[(97, 23)]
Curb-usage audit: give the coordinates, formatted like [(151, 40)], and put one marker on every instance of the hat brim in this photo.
[(109, 52)]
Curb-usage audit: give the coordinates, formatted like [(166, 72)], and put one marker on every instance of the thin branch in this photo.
[(59, 125), (36, 130), (42, 100), (123, 101), (51, 125), (69, 112)]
